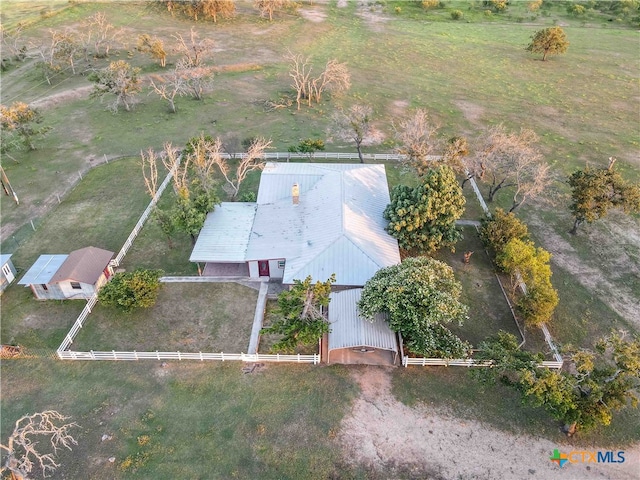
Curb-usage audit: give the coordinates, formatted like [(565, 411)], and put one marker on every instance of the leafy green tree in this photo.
[(301, 317), (596, 191), (309, 146), (522, 258), (418, 297), (548, 41), (597, 383), (423, 217), (21, 120), (190, 211), (129, 290), (497, 230)]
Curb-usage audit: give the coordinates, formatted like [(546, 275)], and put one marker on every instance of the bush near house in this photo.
[(129, 290)]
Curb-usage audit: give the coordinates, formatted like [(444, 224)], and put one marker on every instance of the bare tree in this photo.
[(194, 81), (250, 161), (59, 50), (193, 50), (354, 123), (101, 34), (178, 167), (13, 44), (150, 171), (21, 455), (416, 136), (300, 72), (512, 160), (335, 77), (267, 7), (168, 88), (204, 154), (154, 46)]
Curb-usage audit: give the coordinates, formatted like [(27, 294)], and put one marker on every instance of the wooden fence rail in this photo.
[(202, 356)]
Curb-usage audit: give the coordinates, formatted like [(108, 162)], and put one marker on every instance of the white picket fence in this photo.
[(322, 156), (68, 339), (143, 218), (461, 362), (202, 356)]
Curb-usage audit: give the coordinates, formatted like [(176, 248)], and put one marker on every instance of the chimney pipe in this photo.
[(295, 193)]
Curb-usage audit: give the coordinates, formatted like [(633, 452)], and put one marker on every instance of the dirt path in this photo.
[(387, 435)]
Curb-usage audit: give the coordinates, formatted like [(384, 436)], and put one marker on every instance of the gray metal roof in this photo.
[(4, 258), (43, 270), (225, 234), (337, 227), (348, 329)]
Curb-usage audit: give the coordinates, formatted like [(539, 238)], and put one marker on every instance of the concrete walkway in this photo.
[(196, 278), (258, 318)]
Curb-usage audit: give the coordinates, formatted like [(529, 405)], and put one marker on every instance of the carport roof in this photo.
[(349, 329)]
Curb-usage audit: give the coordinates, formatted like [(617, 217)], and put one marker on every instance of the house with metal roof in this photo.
[(312, 219), (309, 219), (7, 271), (75, 276)]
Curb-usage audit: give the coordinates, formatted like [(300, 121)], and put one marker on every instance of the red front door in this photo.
[(263, 268)]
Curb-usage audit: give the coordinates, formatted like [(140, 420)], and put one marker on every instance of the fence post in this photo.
[(115, 357), (135, 354)]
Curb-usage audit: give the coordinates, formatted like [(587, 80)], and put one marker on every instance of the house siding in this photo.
[(53, 292), (86, 290)]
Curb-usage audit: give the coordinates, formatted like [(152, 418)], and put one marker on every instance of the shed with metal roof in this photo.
[(354, 339)]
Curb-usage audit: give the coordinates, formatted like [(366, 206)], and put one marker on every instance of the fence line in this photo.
[(319, 155), (465, 362), (521, 284), (68, 339), (143, 218), (202, 356), (71, 335)]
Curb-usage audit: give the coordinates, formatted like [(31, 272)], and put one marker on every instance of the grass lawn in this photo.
[(38, 326), (188, 420), (488, 309), (100, 211), (188, 317)]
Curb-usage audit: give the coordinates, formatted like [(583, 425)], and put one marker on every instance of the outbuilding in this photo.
[(75, 276)]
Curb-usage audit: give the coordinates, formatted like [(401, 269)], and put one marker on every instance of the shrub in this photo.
[(456, 14), (538, 304), (129, 290), (426, 4)]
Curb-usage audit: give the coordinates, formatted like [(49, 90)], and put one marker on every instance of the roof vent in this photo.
[(295, 193)]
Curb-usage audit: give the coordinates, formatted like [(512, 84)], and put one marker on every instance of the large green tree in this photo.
[(595, 191), (423, 217), (301, 315), (129, 290), (548, 41), (418, 297), (597, 383)]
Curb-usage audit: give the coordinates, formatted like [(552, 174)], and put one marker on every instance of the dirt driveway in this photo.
[(425, 443)]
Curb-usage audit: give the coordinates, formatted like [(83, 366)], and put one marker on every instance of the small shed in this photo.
[(7, 271), (353, 339), (75, 276)]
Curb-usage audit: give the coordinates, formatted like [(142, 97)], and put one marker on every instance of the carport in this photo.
[(355, 340)]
